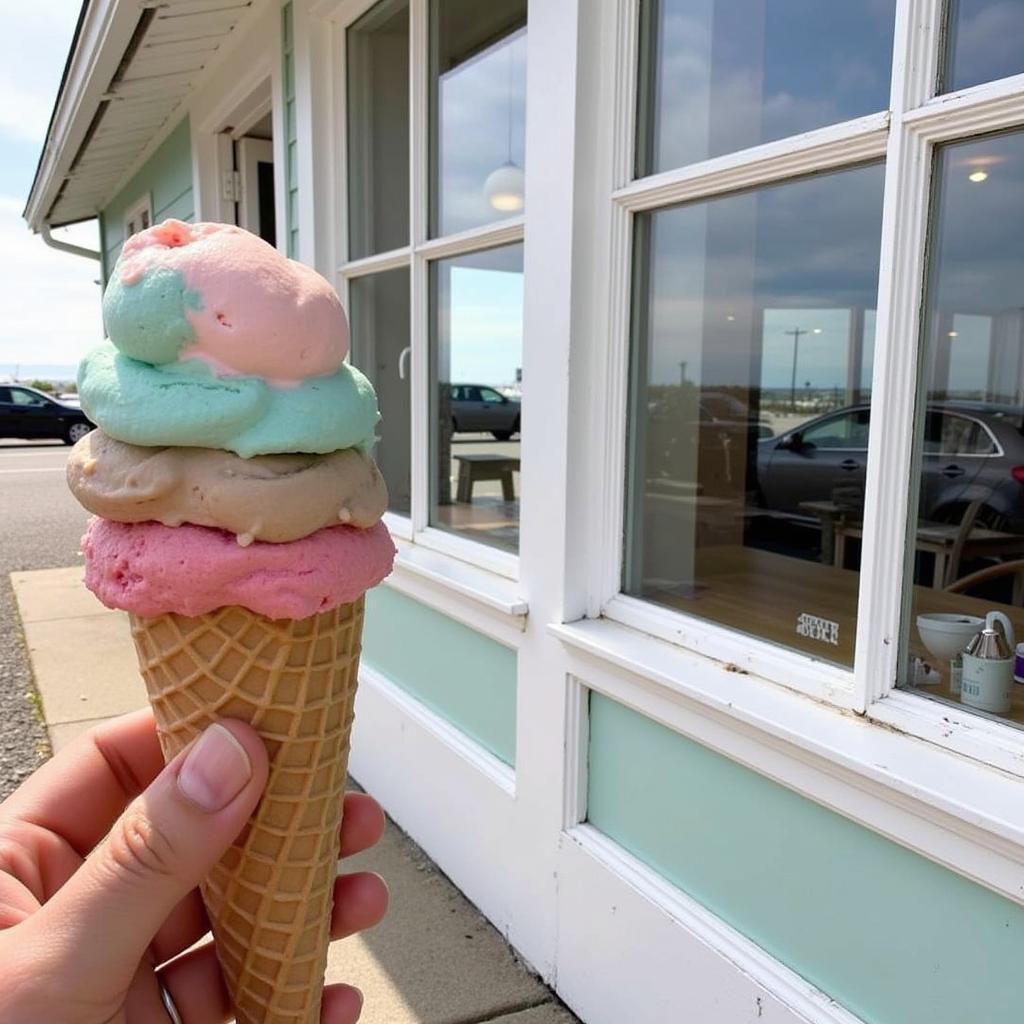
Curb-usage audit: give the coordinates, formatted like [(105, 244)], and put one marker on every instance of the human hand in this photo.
[(96, 898)]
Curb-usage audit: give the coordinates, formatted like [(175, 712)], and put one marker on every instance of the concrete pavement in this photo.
[(433, 960)]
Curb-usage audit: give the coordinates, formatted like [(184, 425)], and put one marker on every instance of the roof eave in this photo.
[(104, 31)]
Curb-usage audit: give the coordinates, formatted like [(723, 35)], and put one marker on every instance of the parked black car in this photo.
[(479, 407), (27, 413), (971, 451)]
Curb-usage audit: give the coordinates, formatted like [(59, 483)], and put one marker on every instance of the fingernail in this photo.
[(216, 769)]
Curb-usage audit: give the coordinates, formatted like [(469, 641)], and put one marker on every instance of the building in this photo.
[(663, 683)]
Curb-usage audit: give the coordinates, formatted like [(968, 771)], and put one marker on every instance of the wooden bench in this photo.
[(486, 467)]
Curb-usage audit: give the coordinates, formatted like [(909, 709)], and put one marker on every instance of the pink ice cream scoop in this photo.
[(150, 569), (257, 313)]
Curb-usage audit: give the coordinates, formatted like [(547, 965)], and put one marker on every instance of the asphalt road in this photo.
[(41, 528)]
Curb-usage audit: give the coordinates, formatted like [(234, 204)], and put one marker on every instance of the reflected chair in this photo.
[(1014, 568)]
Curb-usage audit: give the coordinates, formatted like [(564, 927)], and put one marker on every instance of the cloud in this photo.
[(50, 303)]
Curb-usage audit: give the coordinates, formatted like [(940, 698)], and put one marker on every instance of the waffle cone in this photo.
[(270, 897)]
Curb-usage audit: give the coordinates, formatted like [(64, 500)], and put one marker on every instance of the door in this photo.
[(255, 161)]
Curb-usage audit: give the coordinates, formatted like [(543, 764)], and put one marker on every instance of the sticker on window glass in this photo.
[(816, 628)]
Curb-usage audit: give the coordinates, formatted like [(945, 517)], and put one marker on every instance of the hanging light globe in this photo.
[(504, 188)]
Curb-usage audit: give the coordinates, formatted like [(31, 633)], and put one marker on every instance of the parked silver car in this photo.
[(478, 407), (972, 451)]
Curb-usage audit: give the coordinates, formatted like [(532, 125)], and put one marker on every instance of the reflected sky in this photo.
[(481, 120), (800, 255), (727, 74), (984, 41), (975, 305)]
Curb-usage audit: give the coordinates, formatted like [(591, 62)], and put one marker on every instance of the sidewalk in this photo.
[(433, 960)]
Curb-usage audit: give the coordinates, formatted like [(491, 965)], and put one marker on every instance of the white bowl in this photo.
[(945, 633)]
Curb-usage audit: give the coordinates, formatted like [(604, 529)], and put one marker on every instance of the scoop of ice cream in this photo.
[(274, 498), (151, 569), (223, 295), (187, 404)]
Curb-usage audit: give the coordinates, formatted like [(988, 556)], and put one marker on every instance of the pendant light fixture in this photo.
[(504, 188)]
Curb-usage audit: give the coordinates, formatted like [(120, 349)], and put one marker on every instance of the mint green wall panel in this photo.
[(891, 936), (167, 177), (466, 678)]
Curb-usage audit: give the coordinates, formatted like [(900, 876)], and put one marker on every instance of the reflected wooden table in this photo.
[(838, 523), (809, 606)]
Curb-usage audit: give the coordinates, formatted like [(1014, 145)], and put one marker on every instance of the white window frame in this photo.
[(417, 257), (904, 137), (142, 205)]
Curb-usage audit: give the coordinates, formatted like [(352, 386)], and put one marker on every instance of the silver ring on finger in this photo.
[(172, 1010)]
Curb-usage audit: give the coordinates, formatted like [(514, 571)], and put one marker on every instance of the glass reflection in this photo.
[(379, 308), (982, 42), (718, 76), (378, 129), (476, 363), (967, 562), (477, 131), (753, 319)]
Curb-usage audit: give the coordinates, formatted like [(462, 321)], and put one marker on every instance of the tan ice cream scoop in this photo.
[(273, 498)]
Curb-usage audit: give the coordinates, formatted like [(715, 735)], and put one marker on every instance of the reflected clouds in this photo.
[(729, 75)]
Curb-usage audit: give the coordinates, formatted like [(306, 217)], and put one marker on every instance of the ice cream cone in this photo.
[(270, 897)]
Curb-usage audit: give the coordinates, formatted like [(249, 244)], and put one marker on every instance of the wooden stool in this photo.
[(486, 467)]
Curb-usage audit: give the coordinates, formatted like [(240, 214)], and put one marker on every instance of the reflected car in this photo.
[(26, 413), (972, 451), (479, 407)]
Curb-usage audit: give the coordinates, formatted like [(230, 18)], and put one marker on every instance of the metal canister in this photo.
[(987, 677)]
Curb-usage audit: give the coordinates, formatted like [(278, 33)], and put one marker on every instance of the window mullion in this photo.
[(894, 379), (419, 88)]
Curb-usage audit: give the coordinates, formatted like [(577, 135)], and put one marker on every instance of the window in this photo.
[(378, 129), (379, 311), (27, 398), (478, 81), (139, 216), (740, 470), (758, 388), (435, 281), (718, 77), (983, 42), (477, 333), (966, 564)]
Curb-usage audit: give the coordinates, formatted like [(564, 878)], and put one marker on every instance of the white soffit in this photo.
[(172, 44)]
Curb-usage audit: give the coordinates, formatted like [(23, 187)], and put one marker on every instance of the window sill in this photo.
[(961, 814), (480, 599)]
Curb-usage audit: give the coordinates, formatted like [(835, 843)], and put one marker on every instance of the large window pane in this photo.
[(379, 306), (476, 361), (983, 42), (477, 136), (722, 75), (967, 544), (378, 129), (753, 317)]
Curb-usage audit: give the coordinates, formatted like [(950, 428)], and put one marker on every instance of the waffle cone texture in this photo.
[(270, 897)]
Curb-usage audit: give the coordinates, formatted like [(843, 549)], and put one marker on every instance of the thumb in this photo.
[(166, 841)]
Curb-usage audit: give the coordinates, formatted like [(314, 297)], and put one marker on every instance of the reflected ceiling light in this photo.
[(504, 189), (953, 334), (977, 176), (817, 330), (730, 316)]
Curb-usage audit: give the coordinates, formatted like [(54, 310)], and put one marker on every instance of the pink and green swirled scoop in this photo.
[(220, 344)]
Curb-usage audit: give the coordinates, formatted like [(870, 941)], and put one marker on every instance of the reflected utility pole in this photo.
[(796, 332)]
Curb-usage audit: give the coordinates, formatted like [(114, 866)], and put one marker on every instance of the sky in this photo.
[(51, 299)]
